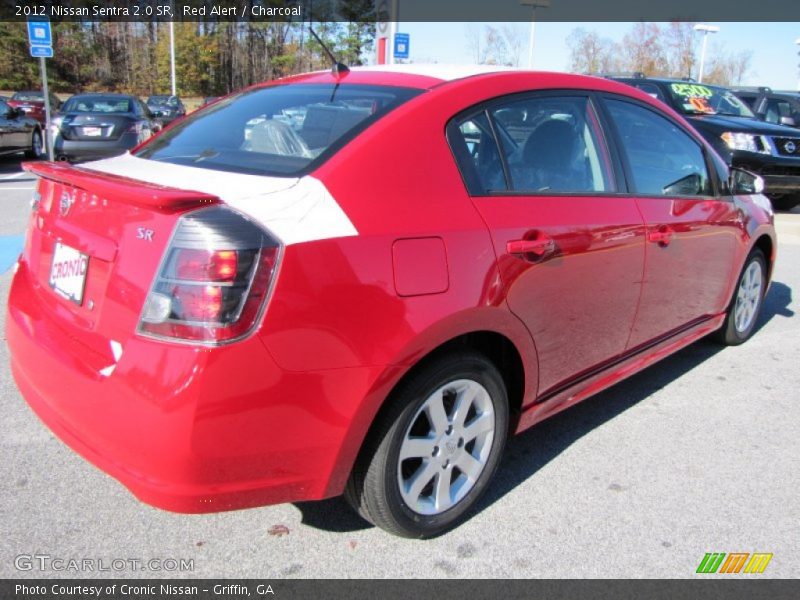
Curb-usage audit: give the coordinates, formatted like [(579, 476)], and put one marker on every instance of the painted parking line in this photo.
[(12, 176), (10, 247)]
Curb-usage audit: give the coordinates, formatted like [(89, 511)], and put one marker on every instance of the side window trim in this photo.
[(618, 183), (463, 159), (623, 156), (498, 145)]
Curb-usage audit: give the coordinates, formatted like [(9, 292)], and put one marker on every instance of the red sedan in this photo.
[(31, 103), (363, 282)]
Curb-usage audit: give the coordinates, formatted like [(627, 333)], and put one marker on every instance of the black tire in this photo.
[(374, 488), (36, 150), (730, 334), (785, 201)]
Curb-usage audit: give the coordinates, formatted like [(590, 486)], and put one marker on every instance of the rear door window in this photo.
[(552, 144), (540, 144), (277, 130)]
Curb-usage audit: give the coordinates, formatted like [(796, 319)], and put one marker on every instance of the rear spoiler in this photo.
[(122, 189)]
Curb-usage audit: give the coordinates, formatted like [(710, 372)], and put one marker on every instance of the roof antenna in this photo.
[(338, 69)]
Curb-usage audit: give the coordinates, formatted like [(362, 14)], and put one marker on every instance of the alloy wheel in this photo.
[(446, 447), (748, 297)]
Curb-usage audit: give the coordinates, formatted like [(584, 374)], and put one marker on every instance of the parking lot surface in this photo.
[(700, 453)]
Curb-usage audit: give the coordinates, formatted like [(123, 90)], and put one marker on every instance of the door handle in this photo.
[(661, 236), (539, 247)]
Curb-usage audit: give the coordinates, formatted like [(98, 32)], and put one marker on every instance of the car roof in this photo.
[(442, 72), (103, 94), (429, 76)]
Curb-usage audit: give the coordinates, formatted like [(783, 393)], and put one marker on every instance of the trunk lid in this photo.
[(95, 127), (94, 244)]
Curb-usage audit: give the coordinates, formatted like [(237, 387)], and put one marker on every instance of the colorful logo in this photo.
[(713, 562)]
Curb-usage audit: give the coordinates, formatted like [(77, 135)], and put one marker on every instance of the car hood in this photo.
[(722, 123)]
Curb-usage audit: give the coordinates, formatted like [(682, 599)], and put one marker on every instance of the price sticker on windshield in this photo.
[(695, 97)]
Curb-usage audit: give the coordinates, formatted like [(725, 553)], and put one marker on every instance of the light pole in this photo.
[(797, 41), (534, 4), (706, 29), (172, 56)]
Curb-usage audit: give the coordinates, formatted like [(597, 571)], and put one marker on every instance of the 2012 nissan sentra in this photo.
[(363, 282)]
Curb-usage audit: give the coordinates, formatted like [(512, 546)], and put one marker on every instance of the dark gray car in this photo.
[(166, 108), (101, 125), (19, 133)]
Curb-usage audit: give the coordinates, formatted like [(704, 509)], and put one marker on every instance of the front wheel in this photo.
[(435, 448), (742, 315), (36, 150)]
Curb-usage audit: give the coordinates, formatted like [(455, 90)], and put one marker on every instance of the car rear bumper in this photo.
[(188, 429), (91, 149)]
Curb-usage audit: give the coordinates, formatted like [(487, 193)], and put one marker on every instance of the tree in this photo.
[(515, 42), (643, 50), (727, 69), (17, 69), (589, 53), (681, 48), (357, 32), (495, 45)]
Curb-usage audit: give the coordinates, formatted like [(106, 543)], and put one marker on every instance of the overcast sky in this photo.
[(774, 60)]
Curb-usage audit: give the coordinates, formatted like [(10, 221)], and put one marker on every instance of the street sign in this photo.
[(40, 38), (39, 33), (401, 41), (42, 51)]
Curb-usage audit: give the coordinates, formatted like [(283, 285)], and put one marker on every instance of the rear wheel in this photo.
[(37, 147), (740, 321), (434, 451)]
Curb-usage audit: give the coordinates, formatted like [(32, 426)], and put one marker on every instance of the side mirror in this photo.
[(744, 182), (788, 121)]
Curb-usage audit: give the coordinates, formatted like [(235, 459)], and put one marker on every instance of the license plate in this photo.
[(68, 272), (92, 131)]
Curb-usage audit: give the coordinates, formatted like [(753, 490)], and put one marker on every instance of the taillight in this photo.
[(213, 281)]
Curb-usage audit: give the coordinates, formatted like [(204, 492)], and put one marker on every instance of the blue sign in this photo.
[(42, 51), (39, 33), (401, 41)]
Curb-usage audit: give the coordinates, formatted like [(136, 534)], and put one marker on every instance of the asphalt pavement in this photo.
[(699, 453)]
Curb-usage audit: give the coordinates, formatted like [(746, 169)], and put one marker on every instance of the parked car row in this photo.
[(19, 133), (86, 126), (751, 128)]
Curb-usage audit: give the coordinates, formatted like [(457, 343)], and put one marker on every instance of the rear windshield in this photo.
[(103, 104), (162, 100), (28, 96), (699, 99), (280, 130)]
